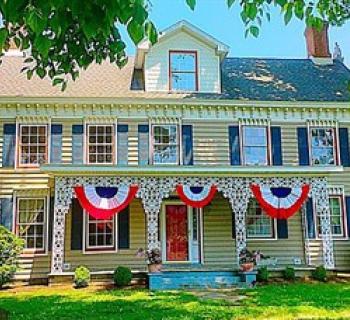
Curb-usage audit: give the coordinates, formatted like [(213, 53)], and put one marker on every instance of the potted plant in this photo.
[(154, 259), (246, 261)]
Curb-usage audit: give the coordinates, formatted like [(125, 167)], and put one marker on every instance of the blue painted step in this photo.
[(173, 280)]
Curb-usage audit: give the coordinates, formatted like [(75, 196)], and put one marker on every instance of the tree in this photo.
[(65, 36)]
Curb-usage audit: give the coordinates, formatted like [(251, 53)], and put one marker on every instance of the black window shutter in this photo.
[(187, 145), (56, 143), (7, 213), (50, 220), (282, 228), (234, 145), (122, 147), (9, 145), (303, 147), (347, 203), (77, 226), (124, 229), (310, 219), (143, 144), (77, 143), (233, 226), (344, 147), (276, 146)]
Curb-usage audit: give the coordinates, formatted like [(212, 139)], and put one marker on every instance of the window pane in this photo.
[(255, 155), (100, 144), (183, 62), (255, 136), (322, 145), (33, 145), (259, 225), (183, 81), (100, 233)]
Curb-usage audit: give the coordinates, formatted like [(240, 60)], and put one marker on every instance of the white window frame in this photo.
[(178, 144), (113, 144), (17, 199), (98, 249), (18, 154), (268, 144), (335, 145), (344, 222), (262, 237)]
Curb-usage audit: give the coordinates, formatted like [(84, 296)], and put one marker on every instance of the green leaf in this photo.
[(230, 3), (191, 4), (57, 81), (135, 31), (3, 37), (35, 22), (254, 30), (151, 32), (288, 14), (41, 72), (43, 45)]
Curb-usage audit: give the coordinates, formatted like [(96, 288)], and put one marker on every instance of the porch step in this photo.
[(174, 280)]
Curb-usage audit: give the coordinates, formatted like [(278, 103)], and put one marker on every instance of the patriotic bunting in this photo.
[(104, 202), (196, 197), (282, 202)]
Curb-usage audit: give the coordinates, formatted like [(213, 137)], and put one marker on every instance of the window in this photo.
[(255, 150), (322, 146), (165, 144), (183, 71), (32, 145), (259, 224), (100, 144), (31, 222), (337, 217), (100, 234)]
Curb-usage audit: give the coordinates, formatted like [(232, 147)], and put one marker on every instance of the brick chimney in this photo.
[(317, 43)]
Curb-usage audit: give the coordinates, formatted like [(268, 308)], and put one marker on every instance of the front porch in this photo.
[(221, 233)]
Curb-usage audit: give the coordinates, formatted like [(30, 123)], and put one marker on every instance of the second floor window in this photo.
[(100, 144), (322, 146), (165, 144), (183, 71), (32, 145), (255, 145)]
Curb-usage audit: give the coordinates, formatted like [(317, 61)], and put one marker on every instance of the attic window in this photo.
[(183, 71)]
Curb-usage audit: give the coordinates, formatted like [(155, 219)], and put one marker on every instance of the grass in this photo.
[(275, 301)]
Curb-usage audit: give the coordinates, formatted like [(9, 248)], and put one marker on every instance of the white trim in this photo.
[(16, 198)]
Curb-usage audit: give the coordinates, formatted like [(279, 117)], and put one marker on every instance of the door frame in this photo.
[(163, 231)]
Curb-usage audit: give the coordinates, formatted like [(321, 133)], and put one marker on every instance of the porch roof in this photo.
[(208, 171)]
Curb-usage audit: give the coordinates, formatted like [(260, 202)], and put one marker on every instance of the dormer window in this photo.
[(183, 71)]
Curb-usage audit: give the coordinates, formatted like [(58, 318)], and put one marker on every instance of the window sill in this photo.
[(100, 251), (264, 239)]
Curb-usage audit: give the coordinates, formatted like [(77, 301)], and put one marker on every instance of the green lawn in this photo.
[(294, 301)]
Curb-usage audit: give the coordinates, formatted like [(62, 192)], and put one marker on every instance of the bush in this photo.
[(81, 277), (263, 274), (289, 273), (320, 274), (122, 276), (10, 249)]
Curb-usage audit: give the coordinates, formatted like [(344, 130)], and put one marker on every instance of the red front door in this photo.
[(176, 233)]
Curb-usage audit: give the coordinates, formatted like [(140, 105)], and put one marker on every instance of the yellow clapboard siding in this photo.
[(109, 261)]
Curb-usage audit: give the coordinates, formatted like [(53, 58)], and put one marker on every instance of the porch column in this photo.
[(321, 197), (61, 207), (238, 193)]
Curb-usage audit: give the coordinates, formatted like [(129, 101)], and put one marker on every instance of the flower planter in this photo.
[(246, 267), (155, 267)]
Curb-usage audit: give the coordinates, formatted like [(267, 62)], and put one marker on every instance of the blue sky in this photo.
[(213, 16)]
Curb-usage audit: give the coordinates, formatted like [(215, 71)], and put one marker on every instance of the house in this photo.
[(179, 123)]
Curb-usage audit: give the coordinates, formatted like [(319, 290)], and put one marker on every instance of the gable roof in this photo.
[(242, 79)]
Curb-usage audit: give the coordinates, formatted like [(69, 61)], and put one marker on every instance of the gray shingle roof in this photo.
[(284, 80)]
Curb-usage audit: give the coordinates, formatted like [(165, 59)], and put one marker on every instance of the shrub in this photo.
[(263, 274), (320, 274), (122, 276), (81, 277), (10, 249), (289, 273)]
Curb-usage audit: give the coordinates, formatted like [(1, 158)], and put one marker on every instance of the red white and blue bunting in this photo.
[(282, 202), (103, 202), (196, 197)]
